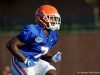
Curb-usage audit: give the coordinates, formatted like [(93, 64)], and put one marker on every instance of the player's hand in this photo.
[(57, 57), (29, 62)]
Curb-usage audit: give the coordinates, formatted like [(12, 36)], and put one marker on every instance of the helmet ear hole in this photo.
[(41, 22)]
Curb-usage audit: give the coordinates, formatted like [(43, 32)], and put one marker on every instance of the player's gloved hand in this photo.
[(57, 57), (29, 62)]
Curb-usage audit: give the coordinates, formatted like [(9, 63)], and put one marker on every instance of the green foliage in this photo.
[(64, 28), (98, 24), (91, 1)]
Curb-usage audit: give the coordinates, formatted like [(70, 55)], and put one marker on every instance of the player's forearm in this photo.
[(47, 58), (55, 58), (15, 51)]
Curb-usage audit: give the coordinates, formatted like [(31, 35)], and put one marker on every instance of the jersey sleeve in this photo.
[(26, 34)]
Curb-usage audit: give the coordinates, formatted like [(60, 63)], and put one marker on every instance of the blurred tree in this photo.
[(95, 11)]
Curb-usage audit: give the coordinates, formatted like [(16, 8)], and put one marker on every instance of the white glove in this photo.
[(57, 57)]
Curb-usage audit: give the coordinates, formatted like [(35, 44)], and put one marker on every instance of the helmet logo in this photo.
[(38, 40)]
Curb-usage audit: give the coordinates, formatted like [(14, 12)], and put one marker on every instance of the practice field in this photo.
[(80, 53)]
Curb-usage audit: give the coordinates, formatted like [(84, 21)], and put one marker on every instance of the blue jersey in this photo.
[(36, 41)]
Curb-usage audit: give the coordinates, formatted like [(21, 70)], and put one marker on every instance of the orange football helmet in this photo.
[(48, 17)]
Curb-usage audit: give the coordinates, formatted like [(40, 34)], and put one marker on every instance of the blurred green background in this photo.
[(77, 15)]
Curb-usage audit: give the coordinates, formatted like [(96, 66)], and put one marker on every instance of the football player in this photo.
[(31, 47)]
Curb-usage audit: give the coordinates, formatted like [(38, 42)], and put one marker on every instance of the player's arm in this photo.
[(13, 45), (47, 57), (52, 58)]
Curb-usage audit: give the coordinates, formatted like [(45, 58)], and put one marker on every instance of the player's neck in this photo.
[(46, 32)]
